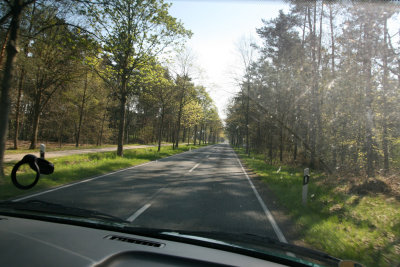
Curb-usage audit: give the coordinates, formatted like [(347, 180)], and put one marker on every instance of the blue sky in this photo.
[(217, 27)]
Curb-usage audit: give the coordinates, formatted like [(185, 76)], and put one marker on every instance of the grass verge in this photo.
[(51, 148), (365, 228), (78, 167)]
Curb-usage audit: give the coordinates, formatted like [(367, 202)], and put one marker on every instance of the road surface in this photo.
[(62, 153), (202, 190)]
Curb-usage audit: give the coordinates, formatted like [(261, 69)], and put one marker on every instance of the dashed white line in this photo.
[(97, 177), (138, 212), (195, 166)]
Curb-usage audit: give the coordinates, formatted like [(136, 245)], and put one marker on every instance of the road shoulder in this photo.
[(281, 215)]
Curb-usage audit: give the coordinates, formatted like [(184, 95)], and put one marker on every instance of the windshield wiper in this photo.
[(300, 251), (45, 207), (242, 240)]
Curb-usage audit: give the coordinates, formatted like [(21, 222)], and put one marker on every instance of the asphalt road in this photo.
[(201, 190)]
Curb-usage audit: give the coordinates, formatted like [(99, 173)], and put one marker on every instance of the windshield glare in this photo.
[(277, 120)]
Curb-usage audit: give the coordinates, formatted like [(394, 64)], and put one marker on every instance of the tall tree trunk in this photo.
[(160, 129), (247, 117), (201, 133), (384, 101), (184, 134), (127, 126), (178, 126), (314, 125), (270, 144), (21, 80), (313, 87), (81, 109), (3, 47), (369, 120), (36, 117), (17, 107), (334, 128), (281, 144), (173, 137), (167, 138), (204, 134), (8, 74), (319, 136), (195, 135), (121, 127), (100, 140)]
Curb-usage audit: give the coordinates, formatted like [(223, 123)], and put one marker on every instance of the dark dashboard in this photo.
[(28, 242)]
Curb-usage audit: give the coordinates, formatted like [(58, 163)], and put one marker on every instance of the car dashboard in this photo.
[(30, 242)]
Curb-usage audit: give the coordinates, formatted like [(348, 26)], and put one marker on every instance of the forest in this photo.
[(99, 72), (322, 89)]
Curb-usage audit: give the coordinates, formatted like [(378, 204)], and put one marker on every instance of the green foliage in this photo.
[(192, 114), (319, 95), (79, 167), (133, 33), (347, 226), (81, 61)]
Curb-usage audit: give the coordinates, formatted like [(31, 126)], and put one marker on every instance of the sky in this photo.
[(218, 27)]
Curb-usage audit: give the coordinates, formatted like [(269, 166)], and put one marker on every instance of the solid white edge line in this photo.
[(195, 166), (97, 177), (271, 219), (138, 212), (80, 182)]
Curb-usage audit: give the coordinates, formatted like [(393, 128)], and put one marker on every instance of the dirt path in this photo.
[(54, 154)]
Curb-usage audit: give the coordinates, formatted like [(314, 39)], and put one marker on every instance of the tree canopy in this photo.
[(90, 73), (323, 91)]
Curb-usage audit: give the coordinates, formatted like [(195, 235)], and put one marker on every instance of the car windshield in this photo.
[(245, 121)]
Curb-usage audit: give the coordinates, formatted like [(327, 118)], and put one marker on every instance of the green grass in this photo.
[(57, 148), (362, 228), (77, 167)]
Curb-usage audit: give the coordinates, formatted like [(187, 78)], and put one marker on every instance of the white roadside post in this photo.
[(306, 179), (42, 150)]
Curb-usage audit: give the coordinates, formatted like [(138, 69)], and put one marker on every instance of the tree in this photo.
[(183, 69), (137, 31), (324, 86), (55, 62), (246, 50), (14, 11)]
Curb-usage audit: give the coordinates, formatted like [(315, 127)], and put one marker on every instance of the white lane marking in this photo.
[(138, 212), (97, 177), (198, 149), (271, 219), (80, 182), (195, 166), (208, 156)]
